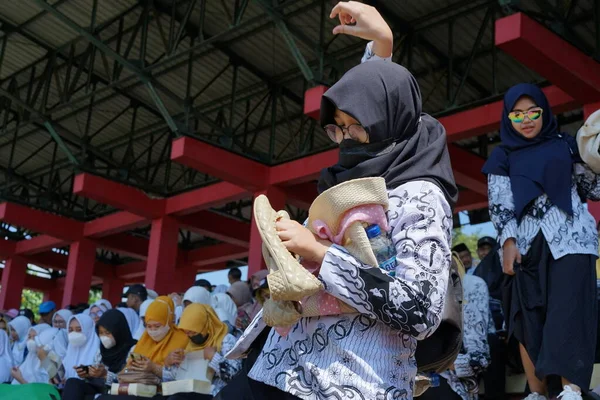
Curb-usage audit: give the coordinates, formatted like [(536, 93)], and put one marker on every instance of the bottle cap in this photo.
[(373, 231)]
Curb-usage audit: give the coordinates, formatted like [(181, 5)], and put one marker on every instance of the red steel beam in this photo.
[(218, 227), (546, 53), (40, 221), (36, 283), (125, 244), (117, 195), (467, 169), (203, 198), (39, 244), (208, 255), (7, 248), (469, 200), (220, 163), (114, 223), (302, 195), (303, 170)]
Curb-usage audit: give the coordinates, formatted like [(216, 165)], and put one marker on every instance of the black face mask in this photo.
[(199, 339), (353, 153)]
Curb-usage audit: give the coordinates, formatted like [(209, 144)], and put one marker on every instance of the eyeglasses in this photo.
[(519, 116), (356, 132), (96, 314)]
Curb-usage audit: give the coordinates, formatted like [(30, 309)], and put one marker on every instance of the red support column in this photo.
[(162, 255), (112, 290), (56, 294), (80, 268), (13, 280), (187, 277), (255, 260)]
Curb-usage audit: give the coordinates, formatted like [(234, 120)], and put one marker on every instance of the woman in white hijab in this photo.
[(60, 318), (105, 304), (142, 326), (83, 345), (196, 294), (41, 363), (225, 308), (6, 359), (20, 327), (220, 289), (133, 319)]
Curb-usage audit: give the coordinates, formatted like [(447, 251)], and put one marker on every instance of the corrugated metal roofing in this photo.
[(265, 63)]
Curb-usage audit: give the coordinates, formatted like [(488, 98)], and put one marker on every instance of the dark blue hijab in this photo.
[(535, 166)]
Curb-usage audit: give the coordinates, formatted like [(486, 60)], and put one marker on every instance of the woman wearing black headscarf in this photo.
[(536, 185), (116, 344), (374, 113)]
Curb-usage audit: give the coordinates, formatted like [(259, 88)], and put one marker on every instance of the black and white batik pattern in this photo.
[(370, 355), (474, 357), (565, 234)]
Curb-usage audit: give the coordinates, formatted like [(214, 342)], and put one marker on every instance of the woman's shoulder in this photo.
[(417, 191)]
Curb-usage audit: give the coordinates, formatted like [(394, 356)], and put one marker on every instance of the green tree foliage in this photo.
[(458, 236), (32, 300), (95, 295)]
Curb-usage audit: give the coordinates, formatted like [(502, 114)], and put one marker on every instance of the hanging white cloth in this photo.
[(21, 326), (225, 307), (133, 319), (6, 359), (141, 328), (83, 355)]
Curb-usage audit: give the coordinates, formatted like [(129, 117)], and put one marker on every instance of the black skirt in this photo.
[(550, 307)]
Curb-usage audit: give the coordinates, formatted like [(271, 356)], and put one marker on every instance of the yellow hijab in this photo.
[(161, 310), (201, 318)]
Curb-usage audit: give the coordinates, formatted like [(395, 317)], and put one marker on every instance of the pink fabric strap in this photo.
[(370, 213)]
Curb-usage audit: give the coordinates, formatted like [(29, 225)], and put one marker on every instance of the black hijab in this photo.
[(404, 143), (115, 358), (535, 166)]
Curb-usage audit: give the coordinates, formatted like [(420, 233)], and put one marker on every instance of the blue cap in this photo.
[(373, 231), (47, 306)]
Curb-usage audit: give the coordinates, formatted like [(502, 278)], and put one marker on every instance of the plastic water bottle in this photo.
[(383, 248)]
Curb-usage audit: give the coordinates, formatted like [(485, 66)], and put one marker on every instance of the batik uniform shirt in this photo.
[(370, 355), (565, 234)]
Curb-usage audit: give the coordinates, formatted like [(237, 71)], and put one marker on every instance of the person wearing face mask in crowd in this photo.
[(6, 360), (42, 364), (60, 318), (116, 344), (160, 338), (206, 332), (31, 347), (95, 313), (538, 185), (20, 327), (142, 325), (81, 352)]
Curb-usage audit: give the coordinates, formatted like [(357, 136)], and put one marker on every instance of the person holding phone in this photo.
[(116, 344), (82, 353), (537, 185)]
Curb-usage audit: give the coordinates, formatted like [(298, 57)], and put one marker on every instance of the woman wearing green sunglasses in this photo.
[(537, 181)]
